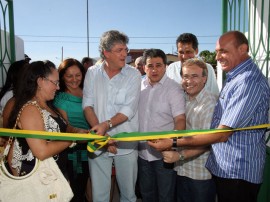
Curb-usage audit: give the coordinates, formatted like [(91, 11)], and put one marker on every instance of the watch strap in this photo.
[(181, 156), (174, 145), (109, 123)]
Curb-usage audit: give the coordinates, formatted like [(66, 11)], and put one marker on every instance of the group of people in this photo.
[(112, 97)]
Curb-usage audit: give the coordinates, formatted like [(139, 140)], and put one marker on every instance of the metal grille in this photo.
[(7, 38), (253, 18)]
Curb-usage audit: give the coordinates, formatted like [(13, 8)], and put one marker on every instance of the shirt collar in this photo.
[(122, 72), (161, 82), (198, 98), (239, 69)]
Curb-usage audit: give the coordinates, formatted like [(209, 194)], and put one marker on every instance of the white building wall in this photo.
[(5, 45)]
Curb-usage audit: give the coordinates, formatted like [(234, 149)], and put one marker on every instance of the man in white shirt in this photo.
[(161, 108), (187, 47), (110, 102)]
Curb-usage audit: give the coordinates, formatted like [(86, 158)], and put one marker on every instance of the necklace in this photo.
[(44, 106)]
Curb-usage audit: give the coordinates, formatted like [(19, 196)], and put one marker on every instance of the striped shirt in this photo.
[(199, 112), (244, 101)]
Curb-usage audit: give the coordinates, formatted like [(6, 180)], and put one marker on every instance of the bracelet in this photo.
[(73, 144)]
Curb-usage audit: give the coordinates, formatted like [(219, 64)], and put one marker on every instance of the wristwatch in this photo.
[(181, 156), (174, 144), (109, 123)]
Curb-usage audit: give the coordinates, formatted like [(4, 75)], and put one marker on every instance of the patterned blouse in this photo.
[(23, 160)]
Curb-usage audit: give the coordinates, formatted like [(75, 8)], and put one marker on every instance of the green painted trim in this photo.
[(11, 31), (250, 16), (7, 55), (224, 16)]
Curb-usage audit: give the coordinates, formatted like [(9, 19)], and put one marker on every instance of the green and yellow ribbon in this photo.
[(96, 142)]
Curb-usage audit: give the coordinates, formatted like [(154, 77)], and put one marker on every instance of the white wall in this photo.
[(5, 45)]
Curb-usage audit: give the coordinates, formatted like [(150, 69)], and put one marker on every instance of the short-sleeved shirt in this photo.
[(199, 112), (158, 106), (72, 105), (107, 97), (173, 72), (243, 102)]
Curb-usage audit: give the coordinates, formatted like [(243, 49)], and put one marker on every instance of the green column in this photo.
[(224, 25), (11, 31)]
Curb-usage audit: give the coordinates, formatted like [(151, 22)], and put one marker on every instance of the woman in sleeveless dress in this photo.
[(33, 101)]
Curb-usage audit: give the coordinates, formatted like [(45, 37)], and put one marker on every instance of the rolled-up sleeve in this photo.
[(88, 90), (130, 105)]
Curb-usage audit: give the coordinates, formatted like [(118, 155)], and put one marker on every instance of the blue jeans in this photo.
[(190, 190), (156, 182)]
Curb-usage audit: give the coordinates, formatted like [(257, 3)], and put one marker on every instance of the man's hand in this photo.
[(170, 156), (112, 147), (100, 129), (162, 144)]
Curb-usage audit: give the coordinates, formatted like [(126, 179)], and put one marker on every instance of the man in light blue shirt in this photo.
[(110, 101)]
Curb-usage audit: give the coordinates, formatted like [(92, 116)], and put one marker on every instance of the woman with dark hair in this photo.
[(8, 89), (69, 103), (12, 77), (33, 101)]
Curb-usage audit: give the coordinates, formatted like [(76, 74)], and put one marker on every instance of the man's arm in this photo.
[(180, 122), (173, 156), (91, 118), (101, 128), (196, 140)]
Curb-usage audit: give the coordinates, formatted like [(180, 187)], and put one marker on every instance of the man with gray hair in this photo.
[(110, 101), (139, 65)]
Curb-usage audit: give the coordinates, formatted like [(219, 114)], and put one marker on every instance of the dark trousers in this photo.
[(157, 184), (190, 190), (235, 190), (78, 182)]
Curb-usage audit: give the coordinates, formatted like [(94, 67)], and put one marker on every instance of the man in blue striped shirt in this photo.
[(237, 158)]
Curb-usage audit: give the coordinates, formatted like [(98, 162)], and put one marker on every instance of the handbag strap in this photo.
[(10, 140)]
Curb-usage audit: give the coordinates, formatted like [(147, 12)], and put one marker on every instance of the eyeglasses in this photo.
[(120, 50), (56, 83)]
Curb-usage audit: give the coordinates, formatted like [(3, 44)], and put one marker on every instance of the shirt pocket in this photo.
[(120, 97), (161, 107)]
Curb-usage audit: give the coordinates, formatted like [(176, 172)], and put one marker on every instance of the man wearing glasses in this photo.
[(110, 101)]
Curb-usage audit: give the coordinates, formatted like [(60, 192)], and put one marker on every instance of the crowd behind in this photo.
[(111, 97)]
